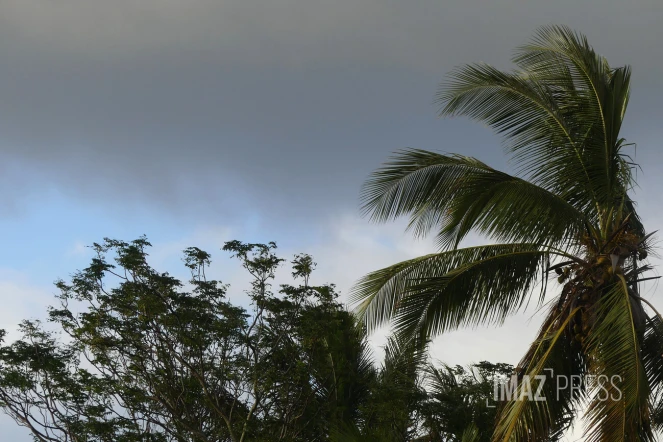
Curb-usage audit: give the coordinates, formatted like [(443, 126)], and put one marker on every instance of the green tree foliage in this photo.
[(146, 357), (394, 412), (566, 213), (461, 402), (414, 400)]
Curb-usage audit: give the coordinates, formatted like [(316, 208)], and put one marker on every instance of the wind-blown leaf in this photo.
[(613, 349), (458, 194), (524, 418), (443, 291)]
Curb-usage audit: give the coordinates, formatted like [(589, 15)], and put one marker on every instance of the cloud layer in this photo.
[(207, 104)]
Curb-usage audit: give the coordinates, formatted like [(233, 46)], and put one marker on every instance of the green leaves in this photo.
[(149, 358), (461, 401), (458, 194), (560, 113), (614, 350), (443, 291), (595, 97), (552, 357)]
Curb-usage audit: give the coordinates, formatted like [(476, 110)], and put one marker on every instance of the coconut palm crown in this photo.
[(563, 224)]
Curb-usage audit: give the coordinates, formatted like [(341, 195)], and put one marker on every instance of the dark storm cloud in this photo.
[(211, 102)]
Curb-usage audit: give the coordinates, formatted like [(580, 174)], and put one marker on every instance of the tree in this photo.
[(149, 358), (414, 400), (461, 401), (566, 212), (393, 412)]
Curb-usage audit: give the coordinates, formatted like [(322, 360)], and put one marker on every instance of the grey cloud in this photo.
[(284, 104)]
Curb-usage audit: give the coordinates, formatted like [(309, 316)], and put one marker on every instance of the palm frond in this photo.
[(443, 291), (459, 194), (560, 114), (652, 358), (652, 353), (619, 410), (471, 434), (594, 98), (552, 355)]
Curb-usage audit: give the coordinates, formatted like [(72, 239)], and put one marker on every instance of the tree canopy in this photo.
[(562, 226), (135, 354)]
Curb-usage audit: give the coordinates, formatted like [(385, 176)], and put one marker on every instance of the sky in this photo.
[(196, 122)]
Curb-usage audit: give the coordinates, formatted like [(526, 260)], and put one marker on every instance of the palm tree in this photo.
[(460, 401), (566, 211)]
